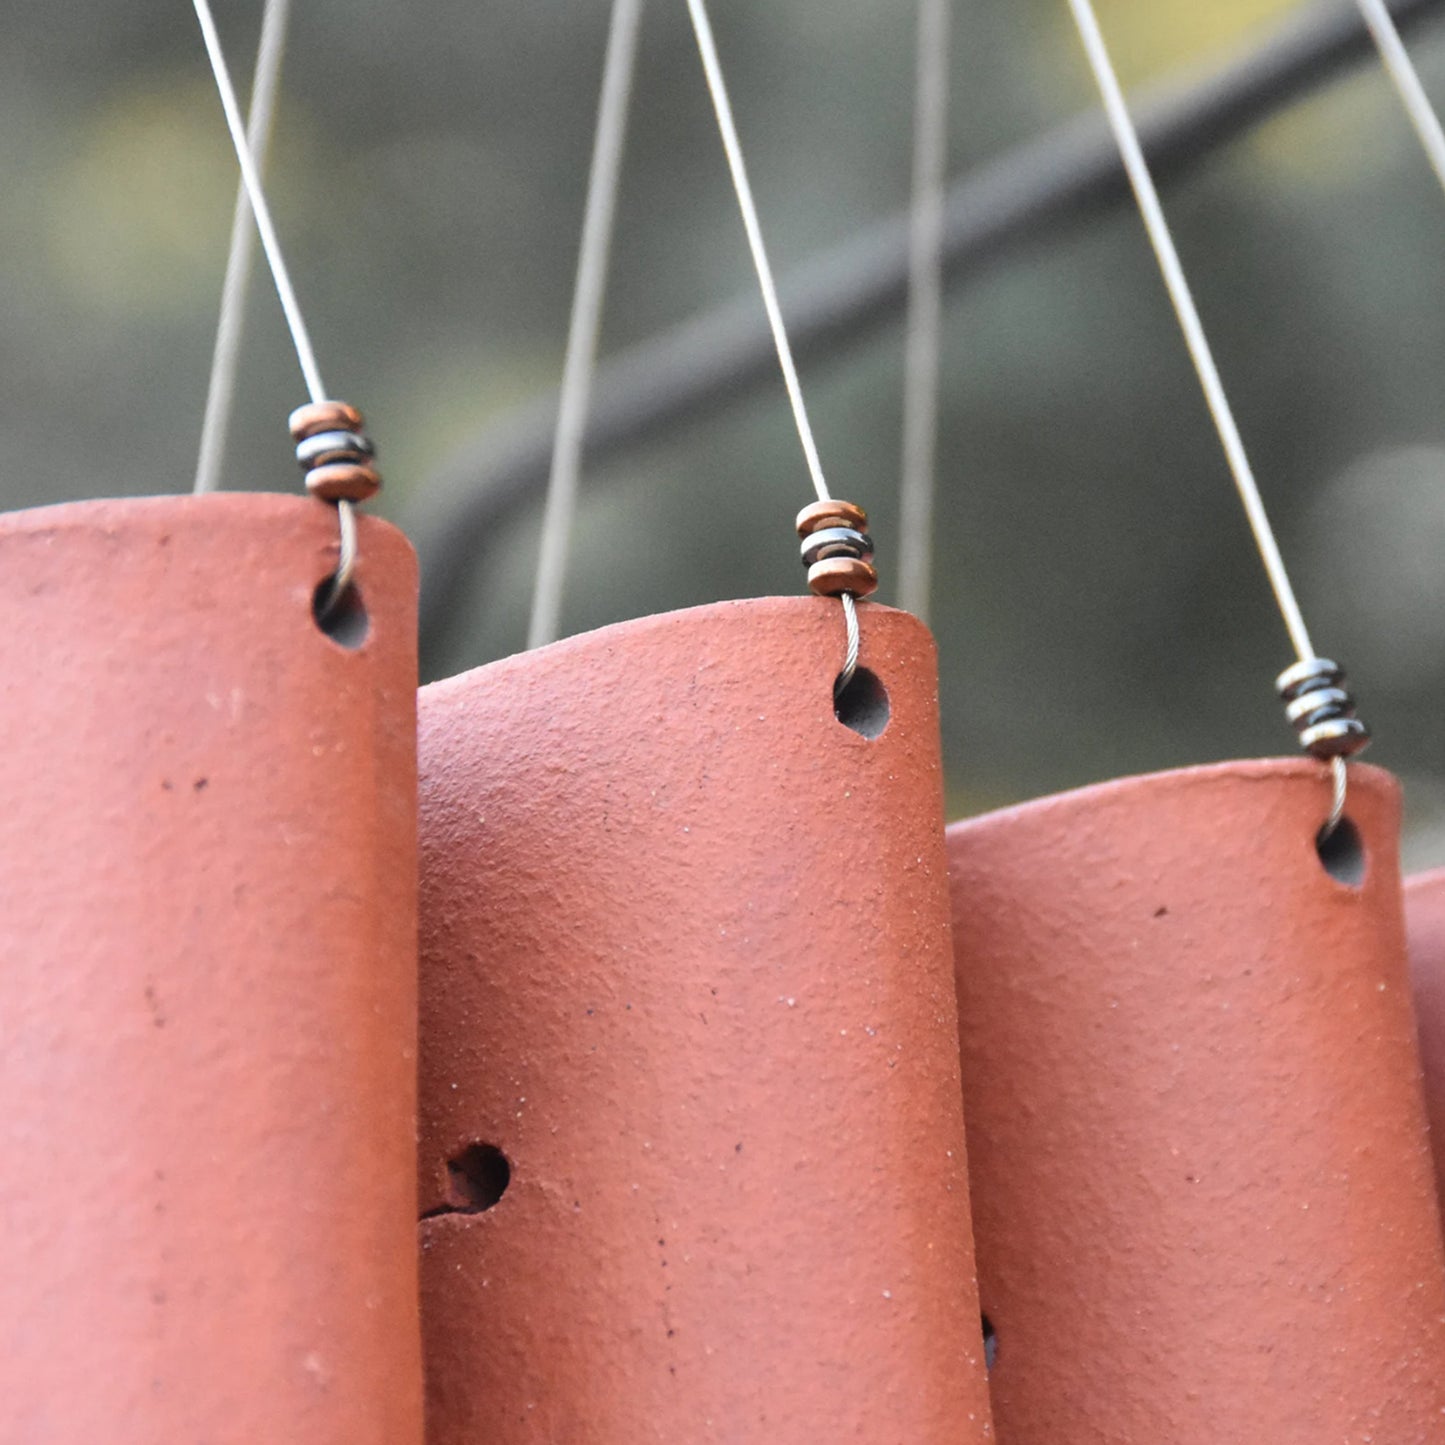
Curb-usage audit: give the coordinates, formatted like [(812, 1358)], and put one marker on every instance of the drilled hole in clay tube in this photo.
[(990, 1343), (1343, 854), (479, 1176), (345, 621), (862, 705)]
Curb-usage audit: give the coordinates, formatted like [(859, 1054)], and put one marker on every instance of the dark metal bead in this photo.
[(1321, 709), (1335, 737), (836, 542), (1306, 675), (1328, 699)]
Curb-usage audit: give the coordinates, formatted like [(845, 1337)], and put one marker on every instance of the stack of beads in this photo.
[(334, 452), (837, 550)]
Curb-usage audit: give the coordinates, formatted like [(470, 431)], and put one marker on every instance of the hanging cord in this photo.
[(1402, 72), (837, 549), (717, 88), (220, 394), (587, 299), (925, 309), (296, 323), (1316, 703)]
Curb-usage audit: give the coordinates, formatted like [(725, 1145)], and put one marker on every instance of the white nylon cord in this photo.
[(221, 392), (925, 310), (587, 300), (1198, 344), (707, 46), (271, 244), (1402, 72), (252, 180)]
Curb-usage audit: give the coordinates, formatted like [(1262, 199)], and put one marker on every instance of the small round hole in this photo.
[(862, 705), (479, 1177), (1342, 854), (344, 620), (990, 1343)]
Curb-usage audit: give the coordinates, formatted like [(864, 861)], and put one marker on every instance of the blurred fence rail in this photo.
[(843, 294)]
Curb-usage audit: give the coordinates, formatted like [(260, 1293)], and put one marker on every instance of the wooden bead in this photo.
[(346, 482), (817, 515), (838, 575), (319, 416)]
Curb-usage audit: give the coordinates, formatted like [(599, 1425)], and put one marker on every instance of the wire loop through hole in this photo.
[(862, 704), (1342, 854), (343, 619)]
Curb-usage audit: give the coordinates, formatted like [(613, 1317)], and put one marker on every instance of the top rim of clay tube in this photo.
[(1382, 786), (732, 609), (56, 516)]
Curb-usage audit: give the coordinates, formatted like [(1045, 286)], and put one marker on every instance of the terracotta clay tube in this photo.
[(1425, 927), (687, 1022), (1200, 1172), (207, 979)]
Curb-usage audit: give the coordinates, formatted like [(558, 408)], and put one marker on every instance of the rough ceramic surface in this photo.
[(686, 962), (207, 999), (1425, 927), (1201, 1179)]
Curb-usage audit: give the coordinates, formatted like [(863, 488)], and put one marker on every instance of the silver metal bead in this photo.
[(1309, 672), (333, 446), (1321, 709), (1336, 737), (1326, 700)]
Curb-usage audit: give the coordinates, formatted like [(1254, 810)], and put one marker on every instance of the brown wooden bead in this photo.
[(319, 416), (817, 515), (837, 575), (347, 482)]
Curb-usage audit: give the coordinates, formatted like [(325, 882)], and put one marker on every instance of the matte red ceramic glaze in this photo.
[(1425, 926), (207, 994), (686, 963), (1201, 1178)]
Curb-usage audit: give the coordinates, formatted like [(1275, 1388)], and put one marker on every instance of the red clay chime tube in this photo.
[(1200, 1173), (1425, 927), (207, 1001), (688, 1022)]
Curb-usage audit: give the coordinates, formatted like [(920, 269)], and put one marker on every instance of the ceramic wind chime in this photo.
[(209, 932), (692, 1151), (1424, 893), (1201, 1180), (705, 995)]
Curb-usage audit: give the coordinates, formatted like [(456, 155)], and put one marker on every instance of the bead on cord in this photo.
[(1321, 709), (334, 452), (837, 550)]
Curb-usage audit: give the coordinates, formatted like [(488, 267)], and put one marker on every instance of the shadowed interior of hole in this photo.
[(345, 622), (1342, 854), (990, 1343), (862, 705), (479, 1177)]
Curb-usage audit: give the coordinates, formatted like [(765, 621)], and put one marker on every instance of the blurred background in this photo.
[(1099, 606)]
